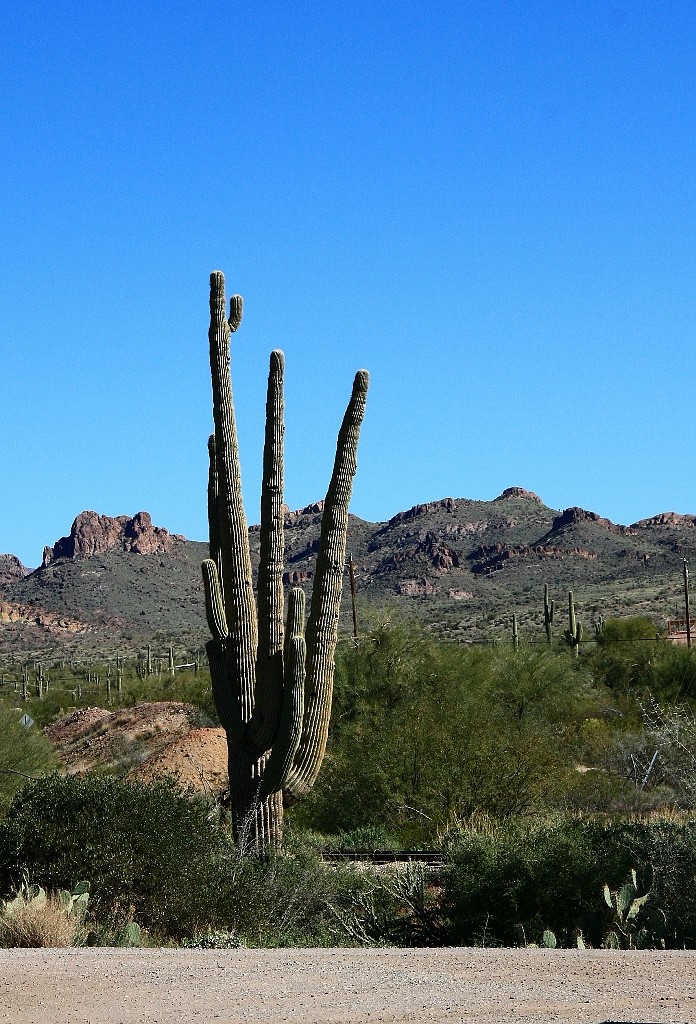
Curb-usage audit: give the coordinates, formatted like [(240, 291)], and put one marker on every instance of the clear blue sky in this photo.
[(490, 205)]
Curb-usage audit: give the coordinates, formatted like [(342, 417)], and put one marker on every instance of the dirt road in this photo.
[(339, 986)]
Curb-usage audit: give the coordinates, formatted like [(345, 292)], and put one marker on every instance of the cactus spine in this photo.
[(272, 686), (548, 613), (573, 634)]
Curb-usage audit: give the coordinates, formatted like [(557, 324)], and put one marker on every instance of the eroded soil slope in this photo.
[(148, 741)]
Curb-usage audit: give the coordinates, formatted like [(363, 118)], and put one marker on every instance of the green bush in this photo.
[(632, 662), (534, 877), (23, 753), (289, 900), (508, 885), (670, 847), (141, 845), (366, 837), (427, 730), (160, 857)]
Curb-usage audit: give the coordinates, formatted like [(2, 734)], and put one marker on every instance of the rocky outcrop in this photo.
[(446, 505), (292, 518), (415, 588), (581, 515), (489, 559), (50, 622), (92, 534), (11, 570), (666, 519), (307, 516), (297, 578), (425, 546), (442, 556), (519, 492)]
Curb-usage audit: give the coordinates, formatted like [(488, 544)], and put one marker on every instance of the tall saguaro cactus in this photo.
[(549, 607), (272, 685), (573, 635)]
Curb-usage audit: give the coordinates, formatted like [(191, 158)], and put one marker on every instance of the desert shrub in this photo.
[(113, 927), (159, 857), (632, 663), (658, 758), (452, 730), (293, 899), (534, 876), (366, 837), (145, 846), (634, 627), (671, 849), (36, 925), (33, 919), (23, 752), (395, 907), (505, 886)]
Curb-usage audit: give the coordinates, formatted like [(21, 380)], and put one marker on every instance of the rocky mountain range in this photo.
[(460, 566)]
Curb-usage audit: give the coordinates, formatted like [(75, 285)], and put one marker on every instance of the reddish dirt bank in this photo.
[(338, 986)]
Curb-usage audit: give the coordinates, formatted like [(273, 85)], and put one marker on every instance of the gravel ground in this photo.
[(344, 986)]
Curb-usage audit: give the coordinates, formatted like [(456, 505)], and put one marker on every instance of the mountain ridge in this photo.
[(458, 565)]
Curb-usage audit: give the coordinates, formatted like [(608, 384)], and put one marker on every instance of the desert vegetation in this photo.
[(554, 781), (559, 791)]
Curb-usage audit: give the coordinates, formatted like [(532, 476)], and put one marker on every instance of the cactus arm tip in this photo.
[(236, 312)]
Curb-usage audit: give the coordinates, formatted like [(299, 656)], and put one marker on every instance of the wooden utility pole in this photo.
[(686, 602)]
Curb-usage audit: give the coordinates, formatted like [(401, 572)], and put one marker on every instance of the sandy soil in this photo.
[(339, 986), (148, 742), (197, 760)]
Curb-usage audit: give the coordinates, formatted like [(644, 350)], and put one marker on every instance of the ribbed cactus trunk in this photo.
[(573, 634), (549, 608), (272, 687)]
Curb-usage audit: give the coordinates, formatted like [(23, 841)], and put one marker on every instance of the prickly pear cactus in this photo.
[(272, 685), (634, 924)]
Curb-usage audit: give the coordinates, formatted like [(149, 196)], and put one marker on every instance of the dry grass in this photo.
[(32, 926)]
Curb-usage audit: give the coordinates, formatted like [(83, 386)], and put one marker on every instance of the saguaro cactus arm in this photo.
[(225, 699), (214, 604), (235, 558), (322, 627), (265, 718), (287, 741)]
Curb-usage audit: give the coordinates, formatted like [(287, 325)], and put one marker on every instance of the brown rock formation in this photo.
[(491, 558), (296, 577), (92, 534), (667, 519), (581, 515), (49, 622), (415, 588), (519, 492), (11, 570), (441, 555), (447, 505)]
